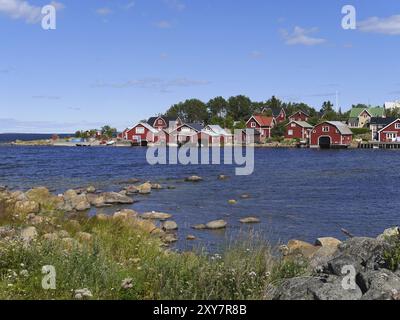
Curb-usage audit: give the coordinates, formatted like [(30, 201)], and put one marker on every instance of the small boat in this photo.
[(83, 144)]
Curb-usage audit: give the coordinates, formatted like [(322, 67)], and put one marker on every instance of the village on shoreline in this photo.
[(273, 124)]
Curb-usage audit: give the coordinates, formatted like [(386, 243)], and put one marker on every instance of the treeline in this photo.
[(235, 111)]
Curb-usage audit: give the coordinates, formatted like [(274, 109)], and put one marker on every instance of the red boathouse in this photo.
[(331, 134)]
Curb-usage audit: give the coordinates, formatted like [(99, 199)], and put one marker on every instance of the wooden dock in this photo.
[(379, 145)]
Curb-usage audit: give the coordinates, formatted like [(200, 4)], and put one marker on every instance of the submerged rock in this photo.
[(169, 238), (116, 198), (155, 215), (191, 237), (250, 220), (156, 186), (216, 224), (194, 179), (169, 226), (145, 188), (232, 201), (199, 227), (222, 177)]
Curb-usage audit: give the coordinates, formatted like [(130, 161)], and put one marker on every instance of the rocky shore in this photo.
[(38, 223), (357, 269)]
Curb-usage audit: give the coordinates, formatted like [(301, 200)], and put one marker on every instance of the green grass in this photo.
[(120, 250)]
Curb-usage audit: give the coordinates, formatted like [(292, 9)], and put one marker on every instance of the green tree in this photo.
[(192, 110), (217, 107), (240, 108), (108, 132)]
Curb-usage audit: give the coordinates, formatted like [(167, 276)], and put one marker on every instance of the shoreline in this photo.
[(36, 221), (49, 143)]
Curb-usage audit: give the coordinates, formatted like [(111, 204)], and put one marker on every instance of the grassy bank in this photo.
[(123, 258)]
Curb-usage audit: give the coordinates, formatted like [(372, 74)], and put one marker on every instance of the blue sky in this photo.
[(121, 61)]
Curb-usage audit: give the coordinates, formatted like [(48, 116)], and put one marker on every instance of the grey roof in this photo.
[(218, 129), (275, 110), (167, 120), (303, 124), (196, 126), (342, 127), (382, 121)]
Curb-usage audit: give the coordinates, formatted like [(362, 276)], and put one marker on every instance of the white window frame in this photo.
[(140, 130), (253, 124), (290, 132), (325, 129), (397, 126)]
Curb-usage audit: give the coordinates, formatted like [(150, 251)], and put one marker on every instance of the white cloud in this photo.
[(20, 9), (301, 36), (104, 11), (163, 24), (389, 25), (153, 83)]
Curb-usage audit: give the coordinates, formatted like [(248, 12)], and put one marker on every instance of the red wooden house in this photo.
[(298, 130), (390, 133), (279, 114), (141, 134), (299, 116), (262, 124), (331, 134), (186, 133), (161, 122)]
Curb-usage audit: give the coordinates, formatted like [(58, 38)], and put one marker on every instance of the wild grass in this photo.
[(243, 270)]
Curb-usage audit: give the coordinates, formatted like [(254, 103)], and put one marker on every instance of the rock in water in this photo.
[(222, 177), (155, 215), (169, 226), (80, 203), (199, 227), (194, 179), (191, 237), (250, 220), (169, 238), (232, 201), (116, 198), (145, 188), (217, 224)]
